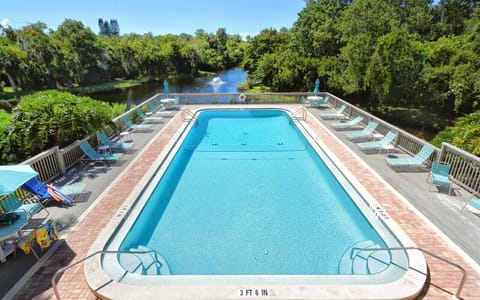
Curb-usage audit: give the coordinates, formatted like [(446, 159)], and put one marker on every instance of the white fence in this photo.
[(465, 167)]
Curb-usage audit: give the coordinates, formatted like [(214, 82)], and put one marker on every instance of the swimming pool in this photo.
[(235, 205)]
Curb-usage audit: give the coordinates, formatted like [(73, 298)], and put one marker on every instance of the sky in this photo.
[(244, 17)]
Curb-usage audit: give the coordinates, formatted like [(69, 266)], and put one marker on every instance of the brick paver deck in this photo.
[(72, 285)]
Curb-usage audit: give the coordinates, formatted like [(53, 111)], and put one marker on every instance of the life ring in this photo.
[(242, 97)]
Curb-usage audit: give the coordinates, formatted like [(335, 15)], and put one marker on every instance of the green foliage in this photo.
[(411, 53), (267, 42), (80, 53), (72, 56), (49, 118), (315, 33), (5, 119), (108, 28), (12, 61), (465, 134), (395, 66), (117, 109), (438, 70)]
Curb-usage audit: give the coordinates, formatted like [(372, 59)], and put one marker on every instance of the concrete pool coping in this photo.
[(75, 244), (407, 287)]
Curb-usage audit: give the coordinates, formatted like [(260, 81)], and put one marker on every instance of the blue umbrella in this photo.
[(165, 88), (13, 176), (317, 87)]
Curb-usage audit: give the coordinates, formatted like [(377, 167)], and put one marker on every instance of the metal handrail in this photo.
[(186, 112), (60, 271), (457, 294), (464, 273), (301, 111)]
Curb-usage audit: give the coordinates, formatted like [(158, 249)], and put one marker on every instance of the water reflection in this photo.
[(224, 82)]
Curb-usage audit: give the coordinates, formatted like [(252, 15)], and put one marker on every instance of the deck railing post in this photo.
[(443, 151), (61, 160)]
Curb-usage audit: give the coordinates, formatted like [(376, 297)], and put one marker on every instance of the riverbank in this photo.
[(7, 95), (420, 122)]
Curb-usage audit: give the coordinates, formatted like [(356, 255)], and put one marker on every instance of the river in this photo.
[(224, 82)]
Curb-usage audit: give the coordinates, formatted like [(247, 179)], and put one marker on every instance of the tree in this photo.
[(268, 41), (452, 15), (42, 66), (114, 27), (80, 52), (394, 68), (104, 27), (108, 29), (315, 33), (361, 25), (12, 57), (11, 61), (416, 16), (437, 72), (452, 70)]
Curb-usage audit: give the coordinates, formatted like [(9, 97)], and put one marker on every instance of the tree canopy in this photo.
[(405, 53), (395, 52), (35, 58), (106, 28)]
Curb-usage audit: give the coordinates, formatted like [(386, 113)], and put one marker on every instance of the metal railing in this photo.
[(457, 293), (404, 141), (464, 273), (187, 115), (300, 114), (62, 270), (465, 167)]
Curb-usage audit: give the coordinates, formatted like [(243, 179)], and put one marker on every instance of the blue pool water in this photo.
[(247, 194)]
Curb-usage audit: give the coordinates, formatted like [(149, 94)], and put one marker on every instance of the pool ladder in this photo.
[(188, 115), (456, 296), (464, 273), (62, 270), (299, 114)]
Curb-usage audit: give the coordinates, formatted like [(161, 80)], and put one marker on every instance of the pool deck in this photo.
[(433, 220)]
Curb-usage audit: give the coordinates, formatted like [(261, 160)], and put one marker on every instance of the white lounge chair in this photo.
[(416, 161), (378, 145), (366, 133), (474, 202), (336, 115), (348, 124)]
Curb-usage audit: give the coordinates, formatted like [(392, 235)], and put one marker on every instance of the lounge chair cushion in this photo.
[(365, 133), (387, 139), (419, 159)]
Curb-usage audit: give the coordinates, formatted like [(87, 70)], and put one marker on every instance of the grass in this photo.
[(113, 85), (8, 93)]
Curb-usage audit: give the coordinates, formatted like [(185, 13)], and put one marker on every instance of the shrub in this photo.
[(465, 134), (5, 119), (50, 118)]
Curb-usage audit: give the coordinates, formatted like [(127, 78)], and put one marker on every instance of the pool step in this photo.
[(362, 259), (149, 263)]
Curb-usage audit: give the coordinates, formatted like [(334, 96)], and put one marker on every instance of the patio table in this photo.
[(314, 98), (9, 231), (167, 102)]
